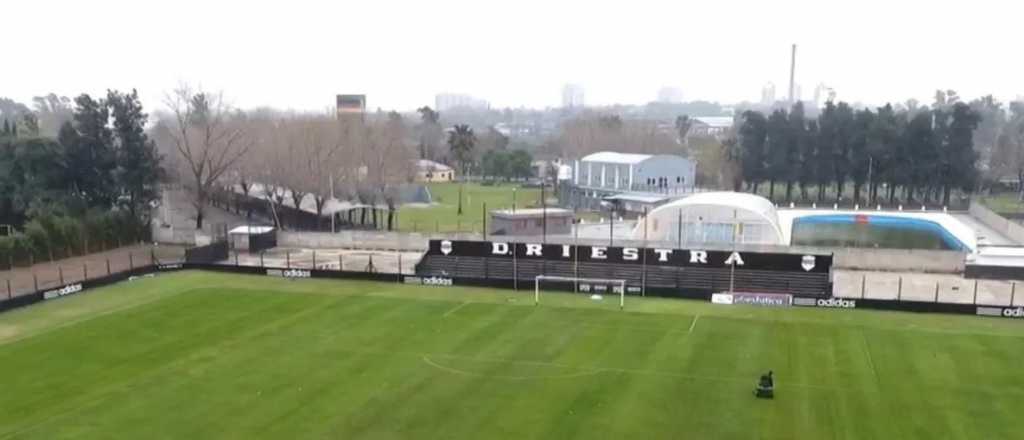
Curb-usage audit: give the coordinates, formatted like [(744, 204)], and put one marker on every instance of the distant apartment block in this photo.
[(710, 126), (449, 101), (670, 95), (572, 96), (768, 94)]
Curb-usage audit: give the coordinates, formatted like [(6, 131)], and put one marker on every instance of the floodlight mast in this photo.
[(577, 280)]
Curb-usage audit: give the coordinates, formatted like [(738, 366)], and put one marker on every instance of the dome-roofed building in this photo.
[(714, 217)]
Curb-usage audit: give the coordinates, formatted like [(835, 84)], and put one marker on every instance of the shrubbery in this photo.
[(54, 235)]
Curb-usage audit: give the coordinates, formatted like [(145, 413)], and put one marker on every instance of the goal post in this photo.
[(619, 283)]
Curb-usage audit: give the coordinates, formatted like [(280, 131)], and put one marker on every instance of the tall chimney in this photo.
[(792, 75)]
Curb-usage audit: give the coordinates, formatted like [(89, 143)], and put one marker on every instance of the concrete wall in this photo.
[(171, 235), (1000, 224), (899, 260), (363, 240)]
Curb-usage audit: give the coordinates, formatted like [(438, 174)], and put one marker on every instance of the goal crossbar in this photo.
[(620, 282)]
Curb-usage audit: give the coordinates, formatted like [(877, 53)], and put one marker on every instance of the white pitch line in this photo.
[(449, 312), (867, 351), (694, 323)]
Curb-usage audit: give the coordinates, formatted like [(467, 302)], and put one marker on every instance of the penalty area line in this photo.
[(693, 323), (454, 309)]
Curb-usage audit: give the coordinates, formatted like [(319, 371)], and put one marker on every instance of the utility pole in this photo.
[(543, 213), (871, 163), (460, 199), (514, 200), (611, 225), (333, 230)]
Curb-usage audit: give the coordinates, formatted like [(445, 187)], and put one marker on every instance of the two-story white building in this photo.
[(633, 181), (627, 172)]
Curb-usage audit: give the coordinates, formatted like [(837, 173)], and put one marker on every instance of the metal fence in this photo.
[(21, 280)]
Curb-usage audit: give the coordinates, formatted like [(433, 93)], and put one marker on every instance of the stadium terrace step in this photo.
[(664, 277)]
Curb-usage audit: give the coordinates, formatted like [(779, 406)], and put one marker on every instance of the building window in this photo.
[(539, 222)]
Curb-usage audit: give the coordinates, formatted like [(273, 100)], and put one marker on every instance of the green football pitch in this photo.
[(198, 355)]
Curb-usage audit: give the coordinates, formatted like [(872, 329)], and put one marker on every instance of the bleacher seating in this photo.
[(711, 279)]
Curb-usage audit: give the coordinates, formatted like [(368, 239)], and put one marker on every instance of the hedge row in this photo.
[(52, 237)]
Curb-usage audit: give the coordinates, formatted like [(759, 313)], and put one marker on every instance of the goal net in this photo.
[(597, 288)]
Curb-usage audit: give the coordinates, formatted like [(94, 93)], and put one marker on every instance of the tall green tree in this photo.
[(959, 157), (920, 142), (861, 163), (89, 151), (752, 136), (825, 148), (138, 162), (461, 142), (883, 151), (796, 134), (520, 164), (777, 146), (808, 158), (430, 132)]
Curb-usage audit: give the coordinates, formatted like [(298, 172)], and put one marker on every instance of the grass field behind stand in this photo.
[(198, 355), (443, 214)]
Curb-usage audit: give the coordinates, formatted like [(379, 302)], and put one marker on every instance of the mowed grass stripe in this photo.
[(190, 341), (274, 359)]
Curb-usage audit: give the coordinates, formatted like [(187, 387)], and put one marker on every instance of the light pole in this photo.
[(460, 198), (514, 199), (543, 214), (611, 220)]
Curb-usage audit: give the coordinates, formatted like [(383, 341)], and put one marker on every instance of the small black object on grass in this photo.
[(765, 386)]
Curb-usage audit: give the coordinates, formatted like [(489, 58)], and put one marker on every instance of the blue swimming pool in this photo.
[(879, 231)]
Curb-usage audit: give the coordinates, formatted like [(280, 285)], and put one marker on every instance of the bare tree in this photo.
[(388, 159), (592, 133), (322, 151), (210, 138), (269, 162)]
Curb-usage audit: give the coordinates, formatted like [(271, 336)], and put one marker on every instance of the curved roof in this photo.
[(613, 157), (747, 202), (716, 121), (757, 206)]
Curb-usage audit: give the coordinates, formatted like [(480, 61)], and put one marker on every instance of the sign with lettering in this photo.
[(633, 255)]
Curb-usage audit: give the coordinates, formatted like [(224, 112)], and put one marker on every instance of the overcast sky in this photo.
[(298, 54)]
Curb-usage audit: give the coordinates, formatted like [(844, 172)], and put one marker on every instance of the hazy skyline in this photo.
[(299, 54)]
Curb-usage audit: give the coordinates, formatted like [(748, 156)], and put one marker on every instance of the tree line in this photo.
[(291, 159), (912, 155), (97, 176)]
